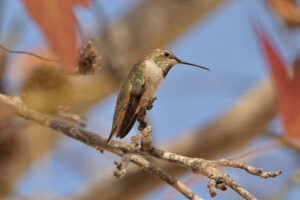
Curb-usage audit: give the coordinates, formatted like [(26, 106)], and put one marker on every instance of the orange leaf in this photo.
[(288, 88), (57, 21)]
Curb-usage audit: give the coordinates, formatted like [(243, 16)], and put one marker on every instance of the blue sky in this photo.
[(189, 98)]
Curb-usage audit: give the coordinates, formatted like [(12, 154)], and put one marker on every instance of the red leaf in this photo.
[(57, 21), (288, 88)]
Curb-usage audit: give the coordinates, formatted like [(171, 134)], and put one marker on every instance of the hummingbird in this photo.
[(140, 87)]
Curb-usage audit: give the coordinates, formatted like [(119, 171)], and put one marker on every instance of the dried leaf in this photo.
[(89, 59), (57, 21)]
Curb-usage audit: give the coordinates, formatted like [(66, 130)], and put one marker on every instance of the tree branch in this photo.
[(95, 141), (180, 187), (209, 169), (197, 165)]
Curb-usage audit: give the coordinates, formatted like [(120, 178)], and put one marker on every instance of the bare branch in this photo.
[(121, 166), (251, 170), (145, 137), (209, 169), (212, 184), (96, 142), (147, 166), (218, 179)]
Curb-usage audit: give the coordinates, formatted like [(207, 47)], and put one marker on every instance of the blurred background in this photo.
[(231, 111)]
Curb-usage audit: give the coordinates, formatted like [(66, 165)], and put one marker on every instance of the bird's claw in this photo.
[(150, 103)]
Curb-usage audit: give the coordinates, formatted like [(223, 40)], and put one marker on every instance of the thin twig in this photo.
[(209, 169), (146, 139), (147, 166), (27, 53), (211, 187), (121, 166), (251, 170)]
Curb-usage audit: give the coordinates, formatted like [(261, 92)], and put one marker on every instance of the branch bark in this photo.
[(95, 141), (134, 153)]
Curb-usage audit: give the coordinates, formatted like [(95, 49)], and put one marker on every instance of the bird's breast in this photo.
[(154, 77), (153, 73)]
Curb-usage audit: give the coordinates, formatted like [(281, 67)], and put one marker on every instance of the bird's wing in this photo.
[(130, 114)]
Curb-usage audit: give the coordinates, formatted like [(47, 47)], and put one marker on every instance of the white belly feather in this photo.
[(154, 73), (154, 77)]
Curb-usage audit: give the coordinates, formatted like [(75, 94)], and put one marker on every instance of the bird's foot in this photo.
[(141, 119), (150, 103)]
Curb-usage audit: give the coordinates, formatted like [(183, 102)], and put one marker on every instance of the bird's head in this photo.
[(165, 59)]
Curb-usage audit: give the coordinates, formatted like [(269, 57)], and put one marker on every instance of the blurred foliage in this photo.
[(58, 24), (47, 89), (287, 87)]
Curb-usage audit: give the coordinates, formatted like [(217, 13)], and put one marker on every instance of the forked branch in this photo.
[(134, 153)]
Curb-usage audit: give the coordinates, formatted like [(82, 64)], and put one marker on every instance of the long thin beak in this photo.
[(187, 63)]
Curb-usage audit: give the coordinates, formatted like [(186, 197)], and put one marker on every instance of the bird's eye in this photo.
[(167, 54)]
